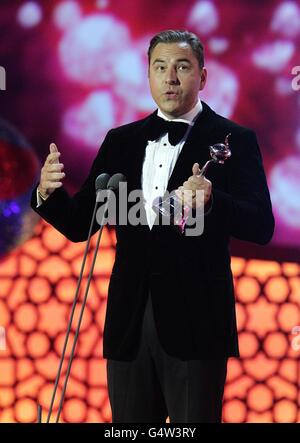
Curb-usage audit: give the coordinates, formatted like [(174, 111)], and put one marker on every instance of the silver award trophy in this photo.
[(172, 207)]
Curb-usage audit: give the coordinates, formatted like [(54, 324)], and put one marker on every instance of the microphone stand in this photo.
[(81, 313), (101, 182)]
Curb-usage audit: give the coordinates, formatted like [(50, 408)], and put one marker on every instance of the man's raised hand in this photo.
[(51, 173), (195, 183)]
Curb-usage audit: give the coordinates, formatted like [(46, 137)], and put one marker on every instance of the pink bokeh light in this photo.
[(81, 68)]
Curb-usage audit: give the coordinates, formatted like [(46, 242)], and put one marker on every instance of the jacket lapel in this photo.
[(136, 154), (195, 149)]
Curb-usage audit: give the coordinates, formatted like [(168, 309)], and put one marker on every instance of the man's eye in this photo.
[(160, 68), (183, 67)]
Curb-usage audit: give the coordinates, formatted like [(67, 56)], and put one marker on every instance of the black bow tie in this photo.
[(175, 130)]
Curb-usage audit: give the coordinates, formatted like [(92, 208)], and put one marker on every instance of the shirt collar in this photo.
[(189, 117)]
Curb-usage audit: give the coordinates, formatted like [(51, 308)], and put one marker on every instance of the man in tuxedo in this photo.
[(170, 324)]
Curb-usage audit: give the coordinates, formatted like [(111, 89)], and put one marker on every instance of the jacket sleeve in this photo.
[(245, 211), (72, 215)]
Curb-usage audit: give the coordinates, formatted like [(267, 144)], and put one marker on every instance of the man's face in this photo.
[(175, 78)]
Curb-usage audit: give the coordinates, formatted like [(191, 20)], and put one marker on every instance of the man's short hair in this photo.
[(179, 36)]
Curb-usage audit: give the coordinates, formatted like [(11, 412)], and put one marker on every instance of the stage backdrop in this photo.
[(38, 282), (73, 70)]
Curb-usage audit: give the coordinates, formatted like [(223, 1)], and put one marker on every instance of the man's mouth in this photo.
[(171, 94)]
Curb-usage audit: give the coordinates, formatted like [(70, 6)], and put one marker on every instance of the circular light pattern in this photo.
[(283, 86), (102, 4), (285, 411), (248, 288), (19, 169), (90, 121), (131, 82), (67, 14), (29, 14), (39, 290), (7, 398), (26, 317), (236, 409), (221, 92), (273, 57), (45, 396), (36, 312), (288, 316), (277, 289), (88, 51), (248, 344), (13, 182), (203, 17), (260, 398), (25, 410), (260, 367), (286, 19), (276, 344), (38, 344), (218, 45), (285, 200), (51, 245), (65, 290), (75, 411)]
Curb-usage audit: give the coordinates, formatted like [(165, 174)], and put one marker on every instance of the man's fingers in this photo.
[(51, 172), (52, 158), (52, 185), (179, 191), (54, 154), (192, 185), (53, 147), (196, 180), (56, 167), (55, 176), (53, 150), (196, 169), (47, 176)]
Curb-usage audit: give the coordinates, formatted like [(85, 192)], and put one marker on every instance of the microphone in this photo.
[(112, 183), (115, 180), (112, 186), (101, 183)]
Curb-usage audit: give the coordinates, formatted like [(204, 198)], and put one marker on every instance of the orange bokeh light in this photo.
[(37, 286)]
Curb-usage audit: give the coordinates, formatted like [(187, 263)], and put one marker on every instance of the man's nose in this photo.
[(171, 76)]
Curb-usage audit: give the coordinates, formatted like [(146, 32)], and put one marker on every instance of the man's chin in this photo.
[(172, 111)]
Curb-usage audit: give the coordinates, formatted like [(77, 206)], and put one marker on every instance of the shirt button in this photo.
[(165, 144), (160, 166), (156, 187)]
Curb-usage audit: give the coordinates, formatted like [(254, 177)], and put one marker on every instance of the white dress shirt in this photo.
[(39, 200), (160, 159)]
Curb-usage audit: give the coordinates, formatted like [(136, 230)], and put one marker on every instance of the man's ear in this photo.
[(203, 78)]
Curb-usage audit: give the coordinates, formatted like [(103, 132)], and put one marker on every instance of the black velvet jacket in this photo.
[(190, 277)]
